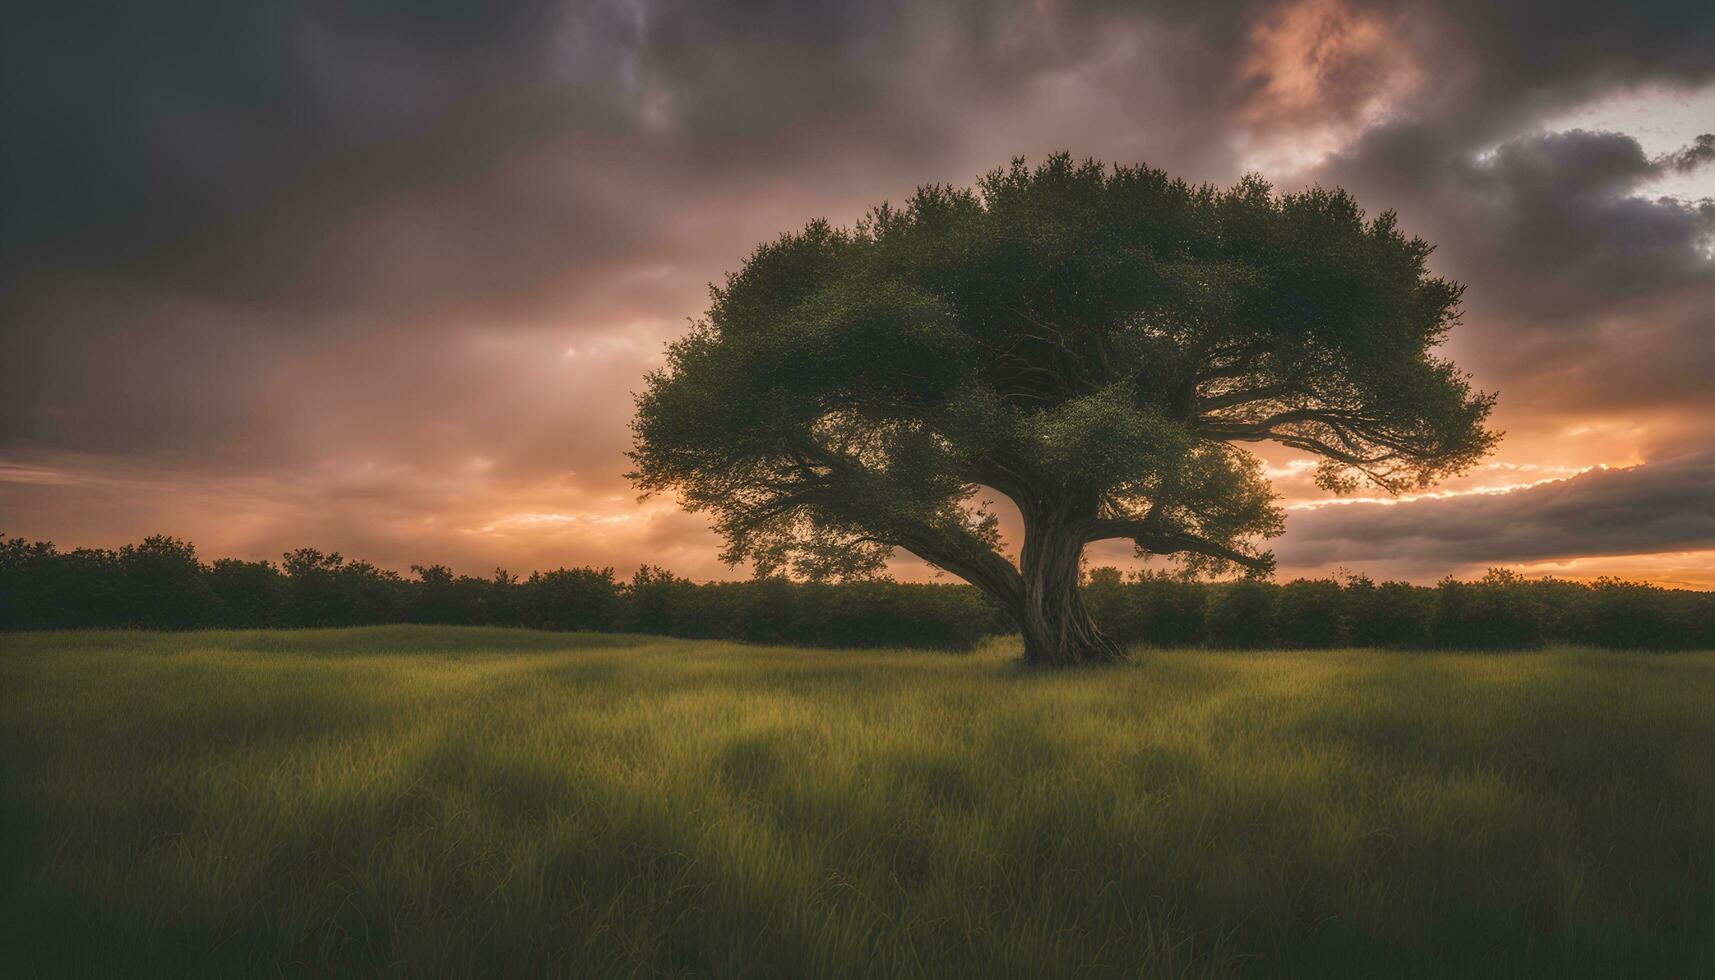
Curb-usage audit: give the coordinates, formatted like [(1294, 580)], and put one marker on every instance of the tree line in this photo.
[(1500, 611), (160, 583)]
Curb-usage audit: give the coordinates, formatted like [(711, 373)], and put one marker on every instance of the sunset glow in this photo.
[(398, 307)]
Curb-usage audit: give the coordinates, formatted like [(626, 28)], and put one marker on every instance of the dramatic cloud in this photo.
[(381, 276), (1665, 506), (1563, 215)]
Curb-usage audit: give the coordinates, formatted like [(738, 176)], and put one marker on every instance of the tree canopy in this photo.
[(1096, 344)]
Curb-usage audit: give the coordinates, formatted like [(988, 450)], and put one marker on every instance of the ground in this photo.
[(461, 802)]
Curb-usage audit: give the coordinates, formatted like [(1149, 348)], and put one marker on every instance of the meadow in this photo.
[(446, 801)]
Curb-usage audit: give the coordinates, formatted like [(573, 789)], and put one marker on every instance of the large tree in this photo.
[(1093, 344)]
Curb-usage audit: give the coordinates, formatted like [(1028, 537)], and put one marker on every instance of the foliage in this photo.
[(1629, 616), (1496, 612), (1094, 344), (1172, 611), (569, 599), (1502, 610), (160, 584), (1310, 613), (1242, 615), (248, 593), (165, 585), (1389, 614)]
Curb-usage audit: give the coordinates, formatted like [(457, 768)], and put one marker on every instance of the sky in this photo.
[(380, 276)]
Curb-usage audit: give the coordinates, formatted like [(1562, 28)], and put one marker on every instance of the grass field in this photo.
[(422, 801)]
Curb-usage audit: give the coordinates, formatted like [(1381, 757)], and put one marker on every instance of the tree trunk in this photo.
[(1057, 628)]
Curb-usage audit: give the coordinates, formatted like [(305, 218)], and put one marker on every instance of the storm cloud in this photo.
[(380, 276), (1663, 506)]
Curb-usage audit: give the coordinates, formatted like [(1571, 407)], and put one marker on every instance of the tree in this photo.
[(1094, 344), (250, 592), (570, 599), (168, 586)]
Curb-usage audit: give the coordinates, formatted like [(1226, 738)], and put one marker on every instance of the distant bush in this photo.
[(657, 601), (327, 590), (250, 593), (1393, 614), (568, 599), (30, 585), (1171, 612), (160, 583), (871, 614), (1310, 613), (1114, 604), (165, 586), (1500, 611), (774, 610), (1242, 615)]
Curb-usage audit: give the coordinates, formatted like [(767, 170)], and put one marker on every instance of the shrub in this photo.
[(29, 584), (570, 599), (90, 588), (1628, 616), (160, 583), (657, 601), (869, 614), (1113, 605), (327, 590), (1171, 611), (1309, 613), (1242, 615), (1498, 611), (1393, 614), (250, 593), (165, 585), (439, 596)]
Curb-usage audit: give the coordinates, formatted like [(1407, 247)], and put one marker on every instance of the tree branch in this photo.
[(973, 561), (1151, 536), (1246, 397)]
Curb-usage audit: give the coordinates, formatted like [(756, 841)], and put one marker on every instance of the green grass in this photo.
[(460, 802)]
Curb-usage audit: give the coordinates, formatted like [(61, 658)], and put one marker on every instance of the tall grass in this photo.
[(471, 802)]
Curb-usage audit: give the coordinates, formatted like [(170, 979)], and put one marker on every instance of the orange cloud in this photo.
[(1318, 72)]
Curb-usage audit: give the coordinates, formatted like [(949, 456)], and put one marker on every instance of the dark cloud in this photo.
[(275, 153), (1543, 224), (228, 148), (364, 187), (1701, 153), (286, 241), (1546, 227), (1659, 507), (1567, 207), (1500, 67)]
